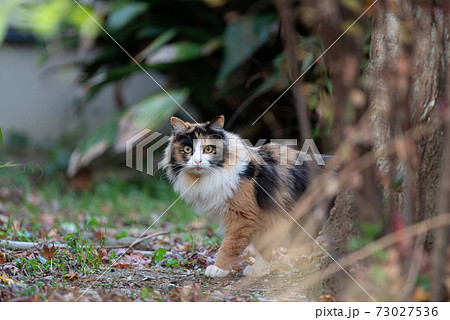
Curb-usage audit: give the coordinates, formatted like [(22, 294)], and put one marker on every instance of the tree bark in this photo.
[(407, 72)]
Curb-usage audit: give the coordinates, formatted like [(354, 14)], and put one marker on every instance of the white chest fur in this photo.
[(209, 194)]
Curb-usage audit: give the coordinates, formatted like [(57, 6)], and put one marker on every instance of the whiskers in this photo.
[(204, 170), (164, 175)]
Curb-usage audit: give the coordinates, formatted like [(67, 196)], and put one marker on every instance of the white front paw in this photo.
[(256, 271), (216, 272)]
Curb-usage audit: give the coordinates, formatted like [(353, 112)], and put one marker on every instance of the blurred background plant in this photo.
[(218, 57)]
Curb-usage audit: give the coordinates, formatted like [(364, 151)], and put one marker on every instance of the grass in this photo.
[(122, 206), (137, 201)]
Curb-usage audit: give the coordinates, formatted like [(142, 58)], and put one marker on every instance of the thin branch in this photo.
[(21, 245), (137, 241), (290, 35)]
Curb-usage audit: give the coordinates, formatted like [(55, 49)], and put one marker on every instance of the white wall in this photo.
[(42, 104)]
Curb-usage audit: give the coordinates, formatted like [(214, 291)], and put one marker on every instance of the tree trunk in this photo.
[(407, 76), (409, 58)]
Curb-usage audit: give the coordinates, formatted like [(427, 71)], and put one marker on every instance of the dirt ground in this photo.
[(185, 286), (139, 275)]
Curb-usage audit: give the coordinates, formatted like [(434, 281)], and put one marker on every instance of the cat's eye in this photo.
[(208, 149), (187, 149)]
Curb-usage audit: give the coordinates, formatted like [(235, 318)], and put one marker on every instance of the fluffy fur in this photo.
[(241, 186)]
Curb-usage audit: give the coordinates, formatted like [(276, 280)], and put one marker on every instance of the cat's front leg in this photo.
[(237, 237)]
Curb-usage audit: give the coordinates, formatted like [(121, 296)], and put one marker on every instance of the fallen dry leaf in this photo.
[(6, 280), (121, 265), (72, 276), (47, 218), (2, 257), (99, 235), (420, 295), (47, 250), (103, 255), (326, 298)]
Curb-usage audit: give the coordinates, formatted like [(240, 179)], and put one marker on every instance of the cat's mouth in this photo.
[(197, 169)]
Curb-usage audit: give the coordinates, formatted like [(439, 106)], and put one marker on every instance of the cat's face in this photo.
[(196, 148)]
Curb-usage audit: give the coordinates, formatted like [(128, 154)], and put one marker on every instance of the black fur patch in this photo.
[(299, 177), (185, 139), (218, 163), (268, 181), (199, 131), (215, 134), (174, 165), (249, 171)]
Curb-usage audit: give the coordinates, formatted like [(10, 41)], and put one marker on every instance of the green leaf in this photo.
[(159, 41), (144, 293), (45, 17), (158, 255), (125, 12), (94, 146), (150, 31), (242, 39), (380, 255), (1, 137), (371, 230), (353, 5), (357, 243), (41, 259), (161, 251), (122, 234), (378, 274), (87, 27), (424, 282), (97, 82), (307, 61), (176, 52), (398, 181), (5, 8), (151, 113)]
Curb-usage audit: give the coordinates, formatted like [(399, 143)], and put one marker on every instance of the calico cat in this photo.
[(246, 188)]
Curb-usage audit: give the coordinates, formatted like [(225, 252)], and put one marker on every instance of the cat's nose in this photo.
[(197, 161)]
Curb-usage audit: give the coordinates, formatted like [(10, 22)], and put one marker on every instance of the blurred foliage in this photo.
[(132, 199), (226, 55)]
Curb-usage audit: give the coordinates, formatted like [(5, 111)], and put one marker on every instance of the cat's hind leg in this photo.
[(260, 268), (263, 255)]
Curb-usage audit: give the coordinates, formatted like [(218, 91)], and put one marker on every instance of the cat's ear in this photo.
[(217, 123), (178, 124)]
